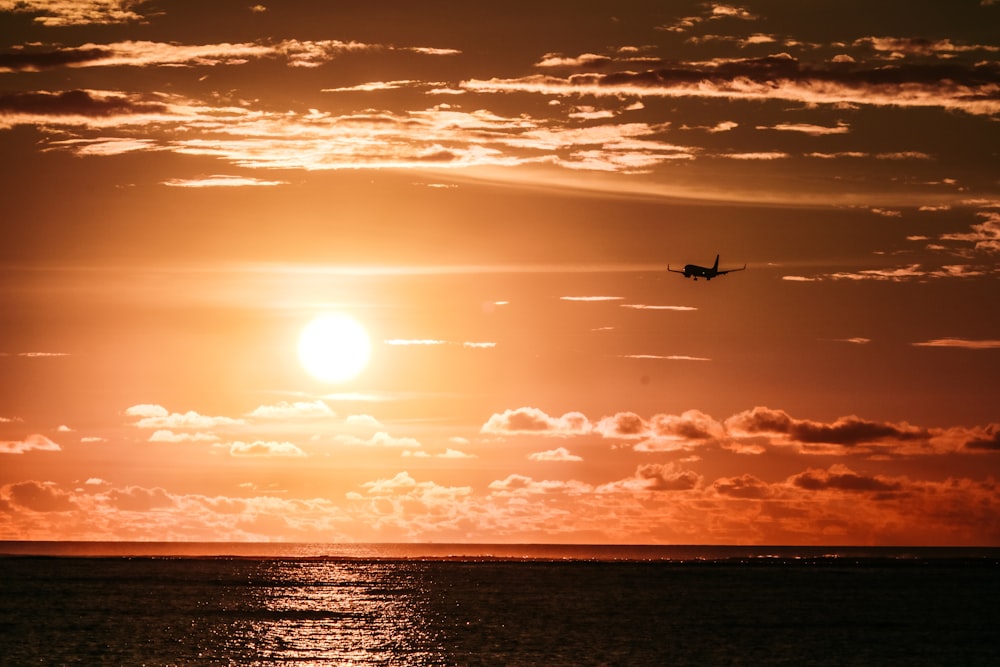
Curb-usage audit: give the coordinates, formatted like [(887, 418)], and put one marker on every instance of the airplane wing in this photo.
[(722, 273), (674, 270)]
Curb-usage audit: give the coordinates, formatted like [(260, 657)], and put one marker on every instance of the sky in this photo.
[(494, 193)]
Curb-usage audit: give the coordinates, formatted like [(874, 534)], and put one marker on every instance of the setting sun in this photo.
[(334, 347)]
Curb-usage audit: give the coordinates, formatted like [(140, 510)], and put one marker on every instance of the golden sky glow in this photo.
[(493, 194)]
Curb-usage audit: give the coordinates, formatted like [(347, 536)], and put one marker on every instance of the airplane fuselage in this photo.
[(693, 270), (706, 272)]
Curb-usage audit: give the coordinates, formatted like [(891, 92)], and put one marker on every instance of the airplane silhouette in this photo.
[(703, 271)]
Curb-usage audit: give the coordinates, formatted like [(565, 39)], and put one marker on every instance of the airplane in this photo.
[(703, 271)]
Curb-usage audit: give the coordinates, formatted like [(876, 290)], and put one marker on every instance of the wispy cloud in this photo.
[(961, 343), (295, 53), (221, 181), (781, 77), (669, 357), (641, 306)]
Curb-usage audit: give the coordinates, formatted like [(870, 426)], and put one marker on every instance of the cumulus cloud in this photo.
[(667, 477), (528, 420), (753, 431), (846, 431), (744, 486), (558, 454), (40, 497), (158, 417), (139, 499), (839, 477), (265, 449), (316, 409)]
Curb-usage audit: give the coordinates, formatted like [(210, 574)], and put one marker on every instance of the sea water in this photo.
[(120, 604)]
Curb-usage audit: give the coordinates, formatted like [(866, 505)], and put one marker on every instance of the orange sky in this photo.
[(495, 194)]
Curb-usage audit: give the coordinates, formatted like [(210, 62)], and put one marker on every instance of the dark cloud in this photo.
[(840, 478), (40, 497), (30, 61), (785, 67), (623, 425), (667, 477), (744, 486), (846, 431), (988, 441), (691, 425), (75, 103), (533, 420)]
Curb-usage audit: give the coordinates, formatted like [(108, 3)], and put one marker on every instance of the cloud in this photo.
[(139, 499), (75, 104), (623, 425), (558, 454), (985, 236), (450, 453), (807, 128), (415, 341), (680, 432), (754, 431), (900, 274), (772, 155), (264, 449), (379, 439), (844, 431), (961, 343), (900, 47), (744, 486), (77, 12), (970, 89), (588, 60), (985, 439), (33, 443), (841, 478), (295, 53), (220, 181), (316, 409), (639, 306), (158, 417), (534, 421), (670, 357), (591, 298), (40, 497), (165, 435), (666, 477)]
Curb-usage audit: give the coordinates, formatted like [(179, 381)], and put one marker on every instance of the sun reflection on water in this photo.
[(323, 613)]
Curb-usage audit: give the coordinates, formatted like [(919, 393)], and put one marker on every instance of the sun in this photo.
[(334, 347)]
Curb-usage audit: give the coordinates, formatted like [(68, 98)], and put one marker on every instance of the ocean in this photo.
[(279, 604)]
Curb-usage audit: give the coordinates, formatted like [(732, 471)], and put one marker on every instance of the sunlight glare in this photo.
[(334, 347)]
